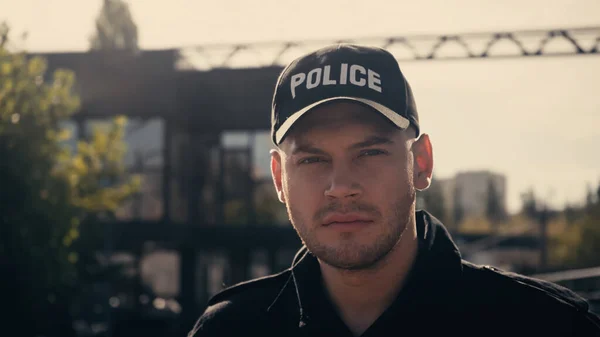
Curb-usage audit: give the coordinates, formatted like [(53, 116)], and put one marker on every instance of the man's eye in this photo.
[(371, 152), (310, 160)]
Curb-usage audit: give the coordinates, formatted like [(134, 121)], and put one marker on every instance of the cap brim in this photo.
[(394, 117)]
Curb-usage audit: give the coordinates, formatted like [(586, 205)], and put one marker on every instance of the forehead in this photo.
[(338, 115)]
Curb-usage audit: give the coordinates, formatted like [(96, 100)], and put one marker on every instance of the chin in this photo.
[(352, 264), (350, 256)]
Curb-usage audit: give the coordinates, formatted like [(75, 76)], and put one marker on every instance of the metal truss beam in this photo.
[(480, 45)]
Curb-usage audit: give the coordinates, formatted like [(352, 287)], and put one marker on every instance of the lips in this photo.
[(349, 218)]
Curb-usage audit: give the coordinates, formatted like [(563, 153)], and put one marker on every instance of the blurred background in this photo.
[(134, 146)]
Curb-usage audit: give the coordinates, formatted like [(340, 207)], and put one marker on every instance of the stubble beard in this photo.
[(347, 253)]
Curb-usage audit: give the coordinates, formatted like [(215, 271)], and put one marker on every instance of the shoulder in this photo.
[(240, 307), (531, 295), (524, 285)]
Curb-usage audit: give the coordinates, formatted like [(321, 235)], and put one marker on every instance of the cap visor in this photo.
[(394, 117)]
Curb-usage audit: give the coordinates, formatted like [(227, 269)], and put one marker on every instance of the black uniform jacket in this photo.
[(443, 296)]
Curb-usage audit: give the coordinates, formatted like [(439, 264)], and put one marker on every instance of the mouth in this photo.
[(349, 219)]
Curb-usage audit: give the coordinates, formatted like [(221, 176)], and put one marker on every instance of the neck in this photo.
[(361, 296)]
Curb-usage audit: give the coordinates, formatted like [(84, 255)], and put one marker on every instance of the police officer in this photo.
[(348, 161)]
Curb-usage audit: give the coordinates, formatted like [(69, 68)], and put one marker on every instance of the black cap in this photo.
[(368, 75)]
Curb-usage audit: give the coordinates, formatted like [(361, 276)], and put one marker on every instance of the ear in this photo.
[(423, 162), (276, 173)]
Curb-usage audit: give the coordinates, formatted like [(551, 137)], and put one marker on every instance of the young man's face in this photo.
[(348, 178)]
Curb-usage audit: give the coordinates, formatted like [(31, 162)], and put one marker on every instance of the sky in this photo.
[(534, 120)]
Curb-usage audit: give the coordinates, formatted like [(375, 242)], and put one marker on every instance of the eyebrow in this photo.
[(372, 140), (307, 148), (369, 141)]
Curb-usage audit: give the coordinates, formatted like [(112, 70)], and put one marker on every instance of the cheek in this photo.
[(303, 191), (385, 180)]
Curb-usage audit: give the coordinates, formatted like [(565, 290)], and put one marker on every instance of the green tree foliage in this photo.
[(115, 28), (590, 198), (529, 204), (586, 229), (576, 244), (48, 192)]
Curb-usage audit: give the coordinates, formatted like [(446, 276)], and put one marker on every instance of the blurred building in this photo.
[(207, 215), (469, 191), (471, 195)]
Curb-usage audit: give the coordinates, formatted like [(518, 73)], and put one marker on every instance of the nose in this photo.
[(343, 184)]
